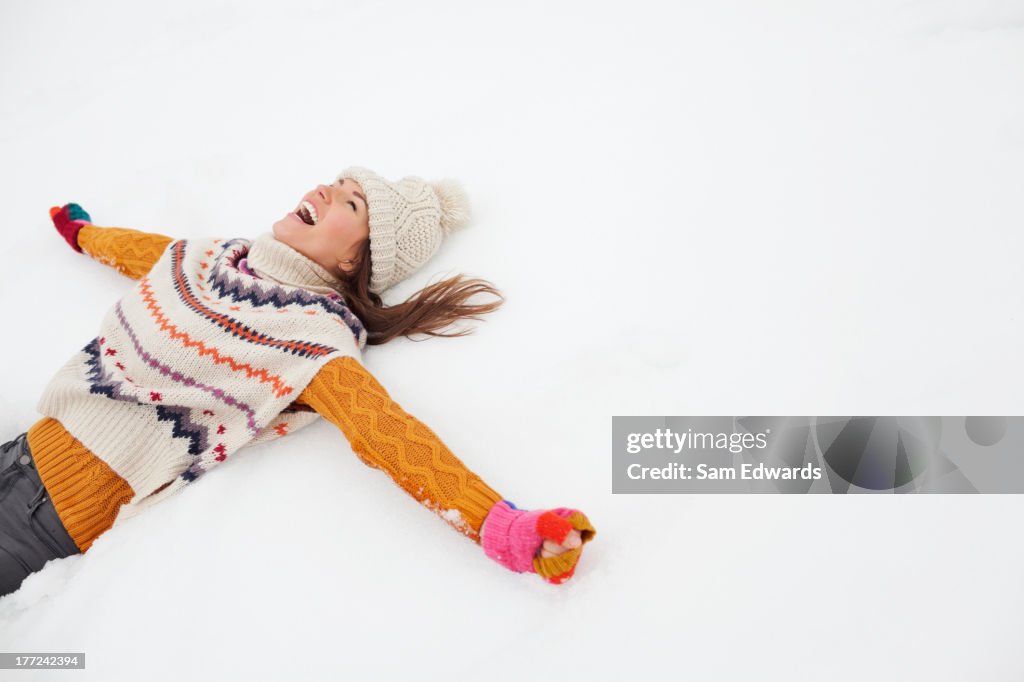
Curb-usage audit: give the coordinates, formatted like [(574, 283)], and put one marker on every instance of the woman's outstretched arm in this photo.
[(386, 437), (130, 252)]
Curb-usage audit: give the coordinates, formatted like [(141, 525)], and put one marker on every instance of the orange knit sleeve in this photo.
[(130, 252), (386, 437)]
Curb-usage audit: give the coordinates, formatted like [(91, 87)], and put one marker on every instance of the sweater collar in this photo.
[(276, 261)]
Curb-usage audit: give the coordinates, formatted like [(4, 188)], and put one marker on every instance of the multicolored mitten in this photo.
[(68, 220), (513, 537)]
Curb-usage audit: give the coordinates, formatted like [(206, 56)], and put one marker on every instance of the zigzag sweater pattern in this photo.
[(186, 287)]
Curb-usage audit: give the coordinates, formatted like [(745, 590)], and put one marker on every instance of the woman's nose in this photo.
[(324, 194)]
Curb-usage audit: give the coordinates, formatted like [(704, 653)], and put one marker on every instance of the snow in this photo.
[(717, 208)]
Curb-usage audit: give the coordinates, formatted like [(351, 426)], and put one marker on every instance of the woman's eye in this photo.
[(353, 204)]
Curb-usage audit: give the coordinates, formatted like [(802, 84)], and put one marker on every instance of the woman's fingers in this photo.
[(551, 548), (572, 540)]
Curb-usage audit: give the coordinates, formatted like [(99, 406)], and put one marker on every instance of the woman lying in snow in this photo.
[(226, 342)]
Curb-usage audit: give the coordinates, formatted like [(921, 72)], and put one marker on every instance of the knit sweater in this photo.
[(211, 328)]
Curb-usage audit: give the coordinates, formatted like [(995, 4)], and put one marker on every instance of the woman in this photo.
[(227, 342)]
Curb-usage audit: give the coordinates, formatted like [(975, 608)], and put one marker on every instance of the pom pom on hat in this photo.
[(454, 204)]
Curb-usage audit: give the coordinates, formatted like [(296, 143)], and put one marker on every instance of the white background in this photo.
[(712, 208)]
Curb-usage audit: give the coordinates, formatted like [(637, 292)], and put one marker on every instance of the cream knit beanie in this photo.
[(408, 220)]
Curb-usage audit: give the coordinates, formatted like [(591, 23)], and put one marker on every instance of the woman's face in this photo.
[(342, 225)]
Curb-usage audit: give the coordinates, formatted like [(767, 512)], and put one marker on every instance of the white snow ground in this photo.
[(717, 208)]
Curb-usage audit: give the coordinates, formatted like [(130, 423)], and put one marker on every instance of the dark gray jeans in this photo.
[(31, 532)]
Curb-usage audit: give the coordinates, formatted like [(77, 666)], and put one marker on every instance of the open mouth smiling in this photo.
[(306, 212)]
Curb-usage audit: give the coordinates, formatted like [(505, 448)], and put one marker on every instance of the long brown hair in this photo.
[(433, 308)]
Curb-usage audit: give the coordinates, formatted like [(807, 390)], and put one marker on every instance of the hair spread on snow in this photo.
[(430, 310)]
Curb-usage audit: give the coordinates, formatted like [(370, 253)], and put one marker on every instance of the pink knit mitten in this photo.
[(68, 220), (513, 537)]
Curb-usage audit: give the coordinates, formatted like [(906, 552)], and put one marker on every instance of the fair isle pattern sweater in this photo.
[(206, 354), (88, 494)]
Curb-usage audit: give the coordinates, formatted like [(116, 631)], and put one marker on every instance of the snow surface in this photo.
[(692, 208)]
